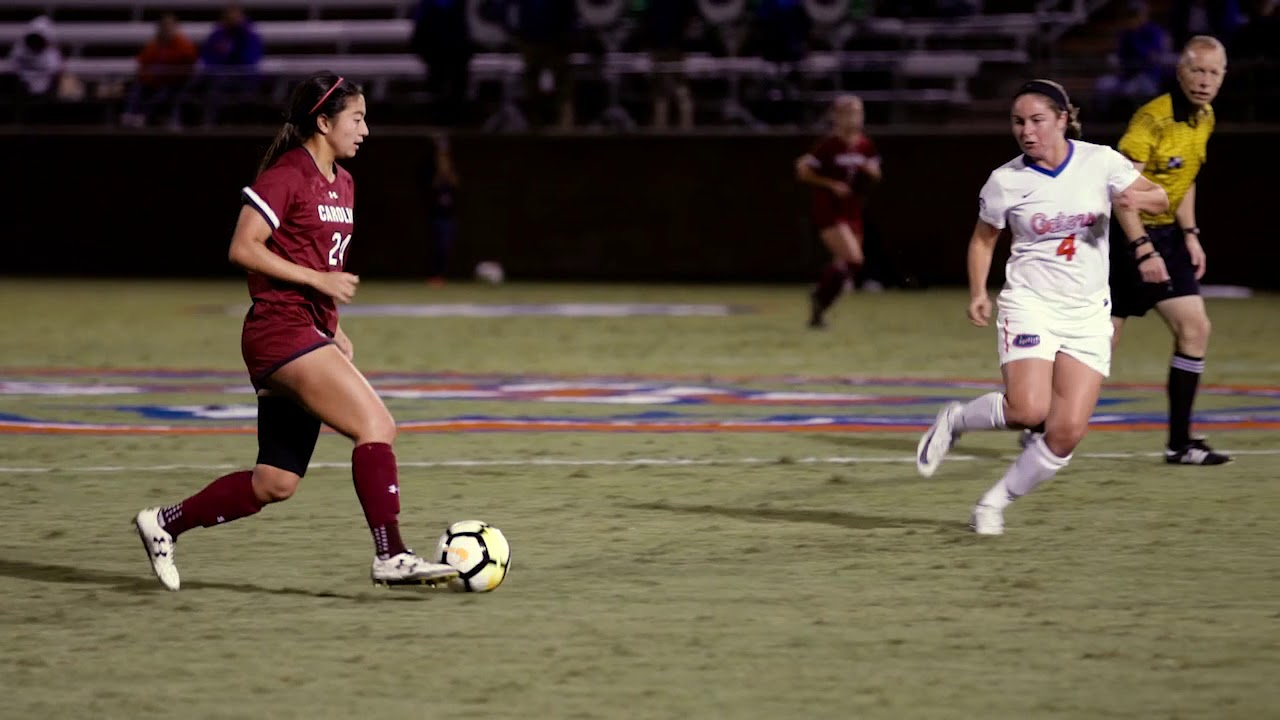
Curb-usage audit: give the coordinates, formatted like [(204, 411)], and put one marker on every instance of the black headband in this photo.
[(1049, 90)]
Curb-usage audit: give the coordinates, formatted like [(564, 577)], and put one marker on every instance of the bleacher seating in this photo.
[(886, 60), (142, 9)]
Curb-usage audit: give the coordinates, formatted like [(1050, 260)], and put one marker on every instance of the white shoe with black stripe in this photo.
[(937, 442)]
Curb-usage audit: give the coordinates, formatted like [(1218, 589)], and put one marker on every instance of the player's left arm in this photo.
[(345, 346), (1130, 191), (1144, 196), (1186, 215)]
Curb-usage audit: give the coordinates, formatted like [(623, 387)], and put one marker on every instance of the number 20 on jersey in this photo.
[(338, 252)]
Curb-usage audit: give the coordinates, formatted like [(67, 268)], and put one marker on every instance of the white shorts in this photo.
[(1032, 329)]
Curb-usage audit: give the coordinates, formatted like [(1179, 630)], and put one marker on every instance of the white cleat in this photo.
[(937, 442), (159, 546), (987, 520), (409, 569)]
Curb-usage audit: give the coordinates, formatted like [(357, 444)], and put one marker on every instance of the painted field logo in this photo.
[(209, 402), (1026, 340)]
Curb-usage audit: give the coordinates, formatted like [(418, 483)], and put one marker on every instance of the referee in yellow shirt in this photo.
[(1167, 140)]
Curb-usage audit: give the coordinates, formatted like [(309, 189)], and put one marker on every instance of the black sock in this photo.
[(830, 285), (1184, 378)]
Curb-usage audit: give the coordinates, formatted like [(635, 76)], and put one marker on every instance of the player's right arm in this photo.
[(249, 250), (992, 211), (807, 171), (266, 205), (982, 246)]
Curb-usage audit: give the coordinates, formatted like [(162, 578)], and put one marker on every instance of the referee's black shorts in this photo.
[(1130, 296)]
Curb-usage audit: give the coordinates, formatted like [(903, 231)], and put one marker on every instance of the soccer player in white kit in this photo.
[(1053, 327)]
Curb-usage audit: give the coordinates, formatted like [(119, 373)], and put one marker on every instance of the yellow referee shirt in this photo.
[(1170, 137)]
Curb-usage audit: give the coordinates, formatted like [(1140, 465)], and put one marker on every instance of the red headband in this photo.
[(326, 95)]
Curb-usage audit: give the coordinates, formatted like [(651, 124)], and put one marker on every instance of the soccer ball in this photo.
[(479, 551), (490, 272)]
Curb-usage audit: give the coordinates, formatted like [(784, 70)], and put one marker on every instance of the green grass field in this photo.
[(715, 574)]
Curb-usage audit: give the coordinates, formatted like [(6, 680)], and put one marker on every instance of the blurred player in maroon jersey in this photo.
[(838, 167), (293, 237)]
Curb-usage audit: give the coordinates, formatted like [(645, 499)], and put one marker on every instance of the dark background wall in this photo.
[(690, 208)]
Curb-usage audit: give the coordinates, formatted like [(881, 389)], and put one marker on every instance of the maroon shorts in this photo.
[(829, 210), (275, 334)]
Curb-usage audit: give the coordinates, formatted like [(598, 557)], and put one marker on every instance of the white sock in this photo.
[(1036, 464), (981, 413)]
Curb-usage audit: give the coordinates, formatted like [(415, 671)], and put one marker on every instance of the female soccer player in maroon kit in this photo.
[(293, 236), (834, 167)]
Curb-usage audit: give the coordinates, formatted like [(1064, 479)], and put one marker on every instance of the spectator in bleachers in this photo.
[(164, 69), (544, 35), (440, 183), (782, 30), (442, 39), (1142, 55), (1256, 52), (230, 57), (780, 33), (666, 27), (926, 8), (1259, 39), (35, 61), (955, 8), (1217, 18)]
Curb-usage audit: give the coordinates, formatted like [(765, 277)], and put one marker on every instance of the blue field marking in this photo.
[(58, 400)]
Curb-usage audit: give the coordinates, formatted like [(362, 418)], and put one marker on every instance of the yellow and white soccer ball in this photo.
[(480, 552)]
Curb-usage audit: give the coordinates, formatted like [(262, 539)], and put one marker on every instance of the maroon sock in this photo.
[(830, 285), (228, 498), (373, 468)]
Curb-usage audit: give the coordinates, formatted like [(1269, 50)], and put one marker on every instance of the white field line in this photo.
[(629, 462)]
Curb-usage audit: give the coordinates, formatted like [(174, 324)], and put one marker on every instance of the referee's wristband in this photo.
[(1148, 256), (1191, 231), (1135, 244)]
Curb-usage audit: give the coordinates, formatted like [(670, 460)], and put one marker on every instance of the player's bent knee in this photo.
[(271, 484), (1025, 412), (1063, 439)]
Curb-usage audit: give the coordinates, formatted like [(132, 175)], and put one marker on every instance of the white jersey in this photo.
[(1059, 220)]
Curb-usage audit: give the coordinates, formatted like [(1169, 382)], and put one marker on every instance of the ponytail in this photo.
[(286, 139), (1075, 130)]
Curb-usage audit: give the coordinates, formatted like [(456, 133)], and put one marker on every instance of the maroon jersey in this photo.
[(311, 223), (834, 158)]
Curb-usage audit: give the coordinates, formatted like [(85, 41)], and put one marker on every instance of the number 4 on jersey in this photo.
[(1067, 247), (339, 249)]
